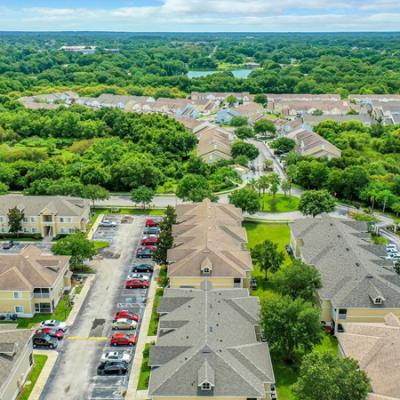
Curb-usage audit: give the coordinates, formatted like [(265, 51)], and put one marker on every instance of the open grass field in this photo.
[(279, 203)]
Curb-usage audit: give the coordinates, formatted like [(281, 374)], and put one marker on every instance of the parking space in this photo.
[(75, 375)]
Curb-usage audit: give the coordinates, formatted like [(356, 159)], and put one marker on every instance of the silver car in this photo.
[(116, 356), (124, 324)]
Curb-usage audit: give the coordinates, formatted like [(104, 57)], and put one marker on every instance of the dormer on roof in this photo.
[(374, 294), (206, 266), (206, 376)]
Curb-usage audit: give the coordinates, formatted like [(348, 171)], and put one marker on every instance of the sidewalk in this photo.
[(132, 392), (44, 374), (94, 227), (79, 299)]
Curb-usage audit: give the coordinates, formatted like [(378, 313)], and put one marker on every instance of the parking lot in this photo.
[(75, 373)]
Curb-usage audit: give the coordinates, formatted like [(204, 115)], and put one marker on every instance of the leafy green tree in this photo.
[(242, 160), (261, 99), (165, 239), (331, 377), (263, 126), (396, 208), (315, 202), (301, 322), (95, 192), (298, 280), (385, 198), (268, 257), (77, 246), (246, 199), (3, 188), (274, 181), (286, 186), (231, 100), (283, 144), (263, 183), (143, 195), (194, 188), (240, 148), (239, 121), (15, 218), (244, 132)]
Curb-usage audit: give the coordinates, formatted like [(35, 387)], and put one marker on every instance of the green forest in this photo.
[(157, 64)]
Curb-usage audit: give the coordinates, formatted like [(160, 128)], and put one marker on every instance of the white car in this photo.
[(137, 275), (393, 256), (107, 223), (53, 323), (116, 356), (124, 324)]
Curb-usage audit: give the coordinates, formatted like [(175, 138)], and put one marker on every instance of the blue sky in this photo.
[(201, 15)]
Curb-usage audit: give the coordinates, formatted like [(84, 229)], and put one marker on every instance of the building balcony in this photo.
[(41, 295)]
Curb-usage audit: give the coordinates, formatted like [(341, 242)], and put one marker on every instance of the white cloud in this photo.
[(214, 15)]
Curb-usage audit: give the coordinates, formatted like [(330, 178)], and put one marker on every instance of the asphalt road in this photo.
[(74, 376)]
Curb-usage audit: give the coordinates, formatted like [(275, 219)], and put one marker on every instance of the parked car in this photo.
[(120, 339), (150, 240), (142, 268), (144, 252), (253, 283), (126, 314), (151, 230), (112, 368), (53, 323), (137, 275), (53, 332), (8, 245), (107, 223), (152, 222), (391, 246), (116, 356), (44, 340), (136, 284), (124, 324), (289, 250), (393, 256)]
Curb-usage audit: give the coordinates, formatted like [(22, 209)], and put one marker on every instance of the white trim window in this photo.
[(17, 295), (19, 309)]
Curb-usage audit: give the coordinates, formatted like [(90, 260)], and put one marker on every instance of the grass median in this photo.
[(39, 362)]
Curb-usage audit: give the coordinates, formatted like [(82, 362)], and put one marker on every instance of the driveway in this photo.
[(74, 376)]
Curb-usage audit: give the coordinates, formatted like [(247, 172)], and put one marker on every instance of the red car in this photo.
[(152, 222), (57, 333), (127, 315), (149, 241), (136, 284), (120, 339)]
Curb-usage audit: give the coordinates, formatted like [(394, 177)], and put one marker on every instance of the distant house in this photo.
[(209, 346), (313, 120), (252, 111), (209, 244), (358, 284), (225, 116), (376, 347), (243, 97), (214, 144), (86, 50), (31, 282), (46, 215), (386, 112), (16, 360)]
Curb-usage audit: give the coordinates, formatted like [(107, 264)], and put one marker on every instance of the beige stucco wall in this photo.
[(8, 302), (326, 310), (368, 314), (217, 282), (17, 377)]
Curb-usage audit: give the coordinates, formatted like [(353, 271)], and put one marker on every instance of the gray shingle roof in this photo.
[(217, 345), (34, 205), (351, 268)]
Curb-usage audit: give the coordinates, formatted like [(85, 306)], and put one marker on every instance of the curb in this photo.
[(52, 356)]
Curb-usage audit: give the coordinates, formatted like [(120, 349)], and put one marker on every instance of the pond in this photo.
[(237, 73)]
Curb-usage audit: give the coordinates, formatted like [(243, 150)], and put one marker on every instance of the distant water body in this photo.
[(238, 73)]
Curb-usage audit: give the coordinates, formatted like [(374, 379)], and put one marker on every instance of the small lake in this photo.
[(237, 73)]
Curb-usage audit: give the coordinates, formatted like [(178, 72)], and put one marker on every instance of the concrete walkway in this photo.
[(132, 392), (44, 374), (94, 227)]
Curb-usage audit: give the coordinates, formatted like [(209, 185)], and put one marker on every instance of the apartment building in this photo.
[(209, 243), (358, 283), (31, 282), (209, 345), (46, 215)]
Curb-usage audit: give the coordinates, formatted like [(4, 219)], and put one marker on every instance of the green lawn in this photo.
[(280, 203), (154, 315), (144, 376), (98, 244), (257, 232), (39, 362), (61, 313)]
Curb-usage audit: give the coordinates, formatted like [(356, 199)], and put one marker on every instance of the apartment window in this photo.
[(69, 219), (62, 230), (61, 219), (19, 309), (33, 219), (25, 219), (17, 295), (342, 313), (71, 230), (26, 230), (34, 230), (1, 219), (4, 230), (43, 307)]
